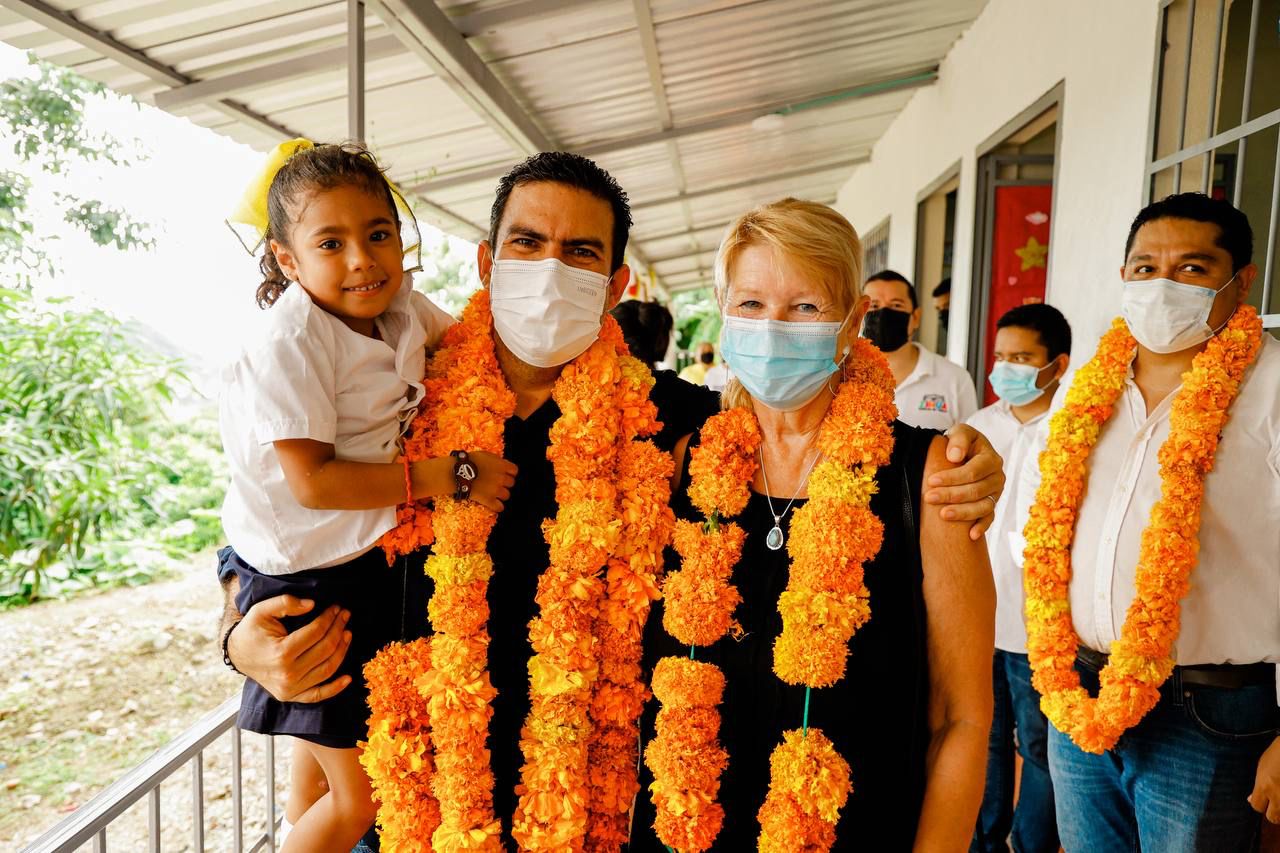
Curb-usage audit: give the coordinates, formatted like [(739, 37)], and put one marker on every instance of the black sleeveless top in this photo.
[(875, 715)]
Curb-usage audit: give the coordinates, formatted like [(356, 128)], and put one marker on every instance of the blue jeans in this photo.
[(1017, 724), (1177, 782)]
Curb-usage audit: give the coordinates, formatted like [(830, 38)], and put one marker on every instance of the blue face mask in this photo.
[(781, 364), (1016, 383)]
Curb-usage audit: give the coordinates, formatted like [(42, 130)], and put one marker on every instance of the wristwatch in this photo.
[(464, 474)]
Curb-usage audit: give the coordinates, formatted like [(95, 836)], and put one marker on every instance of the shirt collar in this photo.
[(1008, 410), (924, 365)]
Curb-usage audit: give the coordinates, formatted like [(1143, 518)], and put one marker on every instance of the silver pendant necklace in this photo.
[(775, 540)]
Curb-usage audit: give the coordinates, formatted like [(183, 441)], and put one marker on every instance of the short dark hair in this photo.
[(646, 327), (893, 275), (319, 167), (943, 288), (1046, 321), (574, 170), (1235, 235)]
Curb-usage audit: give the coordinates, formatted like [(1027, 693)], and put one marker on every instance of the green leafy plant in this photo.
[(448, 278), (697, 317), (80, 399), (42, 121)]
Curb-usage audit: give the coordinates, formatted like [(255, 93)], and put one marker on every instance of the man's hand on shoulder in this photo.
[(970, 491)]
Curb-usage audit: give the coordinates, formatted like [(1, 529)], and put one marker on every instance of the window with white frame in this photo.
[(1216, 117)]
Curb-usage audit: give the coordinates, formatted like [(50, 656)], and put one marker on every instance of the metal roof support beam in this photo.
[(68, 27), (740, 117), (441, 213), (477, 22), (687, 253), (726, 120), (649, 44), (275, 72), (428, 33), (753, 182), (355, 70), (719, 225)]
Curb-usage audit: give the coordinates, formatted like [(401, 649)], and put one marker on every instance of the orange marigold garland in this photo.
[(686, 757), (397, 756), (1142, 658), (809, 784), (465, 406), (825, 602), (826, 599), (631, 585), (613, 492), (603, 398)]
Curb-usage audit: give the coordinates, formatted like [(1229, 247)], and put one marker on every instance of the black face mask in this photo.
[(707, 357), (943, 316), (886, 328)]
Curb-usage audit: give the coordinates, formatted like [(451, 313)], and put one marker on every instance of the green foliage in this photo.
[(42, 121), (697, 317), (449, 278), (44, 116), (106, 226), (87, 463), (15, 226)]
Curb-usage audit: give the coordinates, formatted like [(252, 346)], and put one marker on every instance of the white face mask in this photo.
[(546, 312), (1167, 316)]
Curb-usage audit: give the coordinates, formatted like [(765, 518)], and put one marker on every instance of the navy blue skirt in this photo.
[(374, 593)]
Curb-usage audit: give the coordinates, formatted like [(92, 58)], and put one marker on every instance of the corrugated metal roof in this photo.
[(662, 93)]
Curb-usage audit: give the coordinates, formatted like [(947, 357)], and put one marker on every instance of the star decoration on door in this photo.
[(1033, 255)]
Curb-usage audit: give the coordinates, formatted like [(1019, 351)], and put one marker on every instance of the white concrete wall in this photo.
[(1015, 52)]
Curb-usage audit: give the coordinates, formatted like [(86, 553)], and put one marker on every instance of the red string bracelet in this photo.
[(408, 482)]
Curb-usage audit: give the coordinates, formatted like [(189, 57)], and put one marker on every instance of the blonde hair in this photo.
[(814, 238)]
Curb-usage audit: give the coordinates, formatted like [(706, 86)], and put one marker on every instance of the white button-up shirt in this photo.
[(938, 394), (1015, 442), (1232, 612), (303, 373)]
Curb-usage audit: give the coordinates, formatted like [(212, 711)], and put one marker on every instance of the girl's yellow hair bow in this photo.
[(251, 212)]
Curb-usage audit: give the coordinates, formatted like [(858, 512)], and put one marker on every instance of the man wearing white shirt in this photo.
[(1032, 351), (1185, 777), (932, 392)]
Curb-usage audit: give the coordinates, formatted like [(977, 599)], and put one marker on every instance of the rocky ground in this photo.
[(90, 687)]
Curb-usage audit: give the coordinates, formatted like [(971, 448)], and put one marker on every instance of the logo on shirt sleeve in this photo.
[(933, 403)]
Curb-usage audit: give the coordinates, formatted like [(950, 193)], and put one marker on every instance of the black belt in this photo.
[(1226, 675)]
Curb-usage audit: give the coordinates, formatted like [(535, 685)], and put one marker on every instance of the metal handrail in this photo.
[(90, 821)]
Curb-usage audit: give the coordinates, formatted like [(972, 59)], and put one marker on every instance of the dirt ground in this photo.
[(90, 687)]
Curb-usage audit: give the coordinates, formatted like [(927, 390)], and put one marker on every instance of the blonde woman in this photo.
[(913, 709)]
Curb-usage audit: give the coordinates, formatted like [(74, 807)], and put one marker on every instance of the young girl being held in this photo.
[(312, 414)]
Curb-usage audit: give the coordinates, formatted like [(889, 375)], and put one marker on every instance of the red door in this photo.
[(1019, 259)]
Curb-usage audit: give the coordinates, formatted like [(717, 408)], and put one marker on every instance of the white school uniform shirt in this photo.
[(1232, 612), (304, 374), (938, 394), (1015, 442)]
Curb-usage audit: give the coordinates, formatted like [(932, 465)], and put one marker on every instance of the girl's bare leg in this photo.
[(338, 819)]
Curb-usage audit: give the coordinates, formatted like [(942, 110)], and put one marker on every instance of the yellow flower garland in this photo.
[(613, 491), (1141, 660), (825, 602)]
